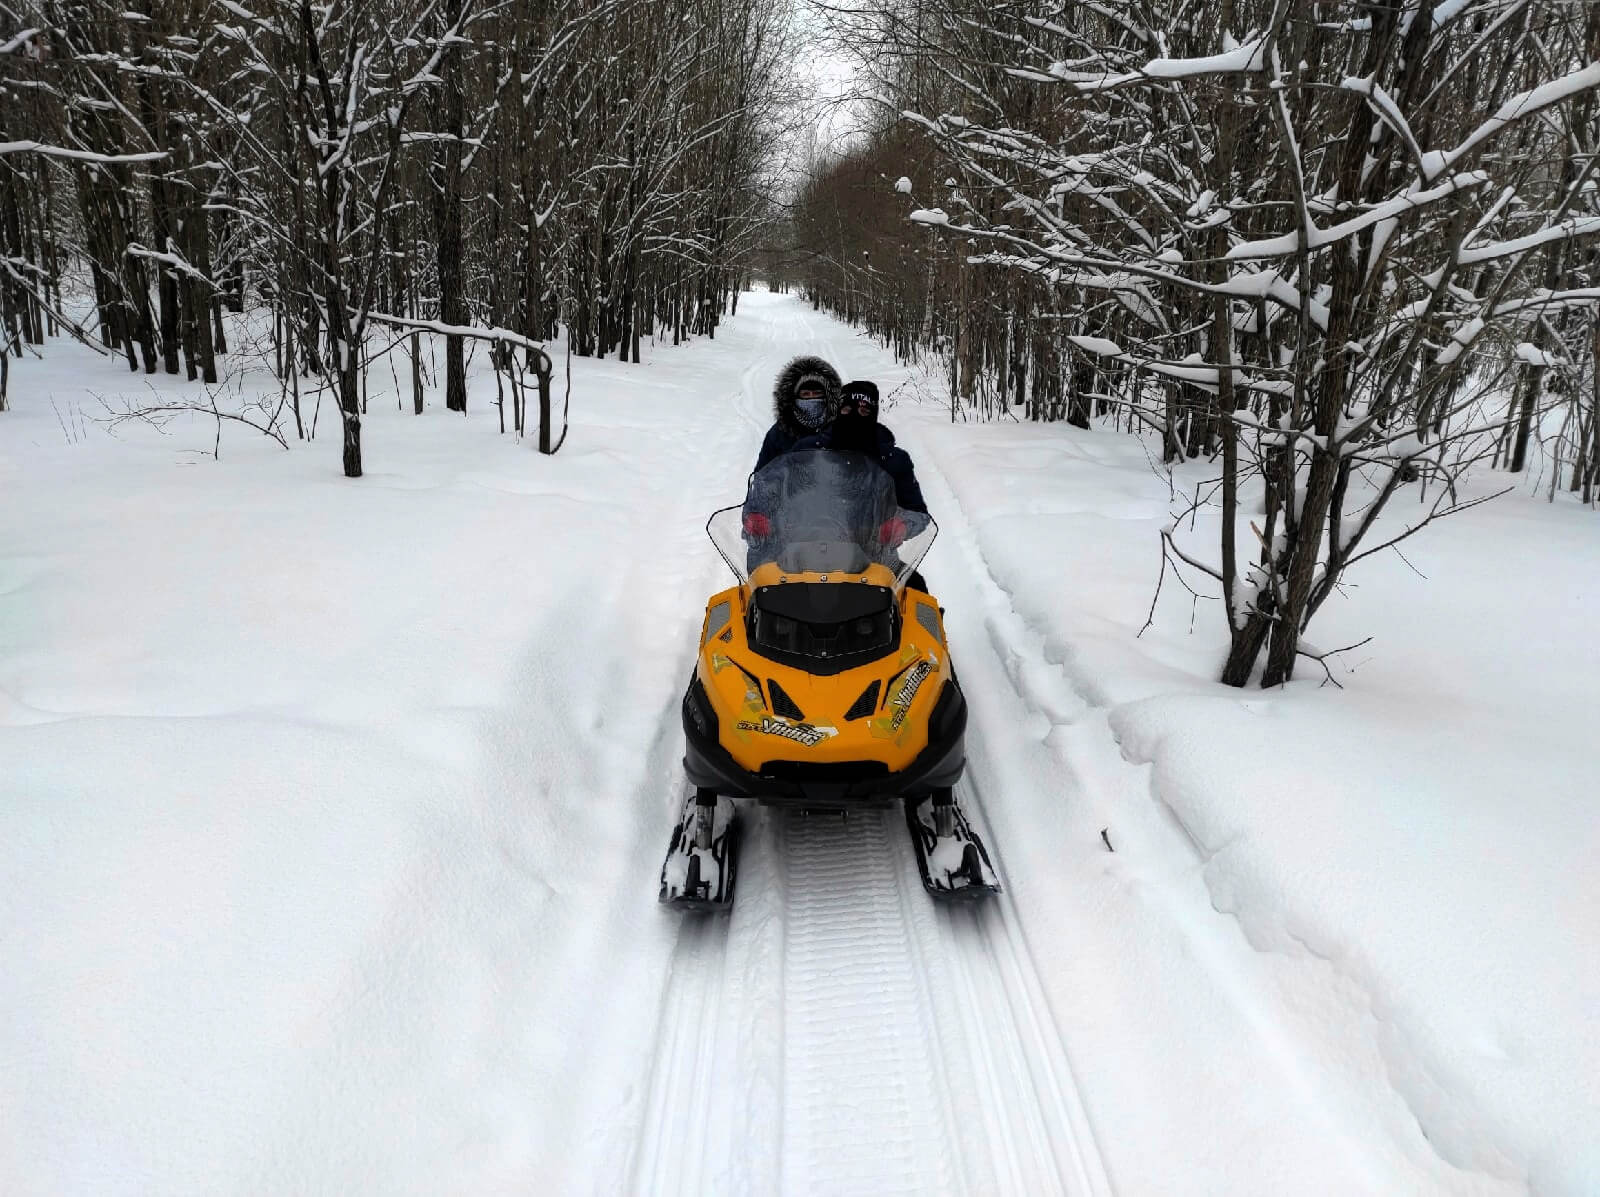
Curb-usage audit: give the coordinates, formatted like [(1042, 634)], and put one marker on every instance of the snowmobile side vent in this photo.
[(698, 709), (755, 682), (866, 704), (717, 619), (928, 617), (782, 704)]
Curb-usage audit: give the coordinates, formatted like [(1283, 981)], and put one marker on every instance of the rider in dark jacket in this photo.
[(803, 401), (855, 429)]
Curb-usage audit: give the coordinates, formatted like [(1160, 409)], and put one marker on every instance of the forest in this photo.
[(355, 172), (1345, 250)]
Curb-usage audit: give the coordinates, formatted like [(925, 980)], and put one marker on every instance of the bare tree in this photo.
[(1319, 243), (529, 166)]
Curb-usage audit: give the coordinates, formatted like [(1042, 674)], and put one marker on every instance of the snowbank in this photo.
[(331, 807), (1413, 852)]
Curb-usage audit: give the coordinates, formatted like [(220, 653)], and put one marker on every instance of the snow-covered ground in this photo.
[(331, 811)]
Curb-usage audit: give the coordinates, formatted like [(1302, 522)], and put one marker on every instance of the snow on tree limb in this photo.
[(1577, 226), (1249, 57), (1436, 162), (19, 40), (173, 260), (1383, 104), (1316, 238), (55, 151), (473, 331)]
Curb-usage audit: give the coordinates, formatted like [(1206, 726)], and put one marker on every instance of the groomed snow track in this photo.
[(840, 1032)]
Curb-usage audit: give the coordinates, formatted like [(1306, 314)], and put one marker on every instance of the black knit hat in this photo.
[(861, 397)]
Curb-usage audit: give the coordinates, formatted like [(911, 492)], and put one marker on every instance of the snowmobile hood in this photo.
[(783, 410)]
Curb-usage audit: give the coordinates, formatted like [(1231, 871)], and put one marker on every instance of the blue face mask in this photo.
[(811, 411)]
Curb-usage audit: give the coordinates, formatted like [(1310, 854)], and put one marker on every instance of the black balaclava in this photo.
[(812, 413), (855, 423)]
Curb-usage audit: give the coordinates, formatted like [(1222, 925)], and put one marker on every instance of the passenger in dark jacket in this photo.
[(803, 401), (855, 429)]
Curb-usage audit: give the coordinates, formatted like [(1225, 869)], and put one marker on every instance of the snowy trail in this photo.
[(840, 1032), (335, 852), (1042, 755)]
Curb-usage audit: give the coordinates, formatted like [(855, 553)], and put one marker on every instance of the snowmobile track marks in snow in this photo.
[(673, 1134), (1008, 972), (861, 1097), (1036, 1107), (840, 1032)]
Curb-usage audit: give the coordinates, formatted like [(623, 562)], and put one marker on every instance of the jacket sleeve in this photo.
[(906, 491), (759, 497), (771, 447)]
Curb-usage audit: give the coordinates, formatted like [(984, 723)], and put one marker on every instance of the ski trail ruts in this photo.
[(684, 1066), (841, 1032), (1039, 1107), (711, 1122), (753, 403), (1019, 1114), (1012, 980)]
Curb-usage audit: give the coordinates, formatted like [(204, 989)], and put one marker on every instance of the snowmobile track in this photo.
[(857, 1017)]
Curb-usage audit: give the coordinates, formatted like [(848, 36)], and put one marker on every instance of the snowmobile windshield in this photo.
[(821, 511)]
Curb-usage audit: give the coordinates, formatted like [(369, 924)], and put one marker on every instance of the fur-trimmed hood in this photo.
[(783, 391)]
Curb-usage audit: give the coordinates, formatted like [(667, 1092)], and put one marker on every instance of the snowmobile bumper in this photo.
[(831, 786)]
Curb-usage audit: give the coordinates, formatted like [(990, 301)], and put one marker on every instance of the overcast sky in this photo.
[(825, 73)]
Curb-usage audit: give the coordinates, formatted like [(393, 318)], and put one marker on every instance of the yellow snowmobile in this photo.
[(823, 681)]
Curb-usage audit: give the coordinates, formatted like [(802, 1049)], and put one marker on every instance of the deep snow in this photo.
[(332, 812)]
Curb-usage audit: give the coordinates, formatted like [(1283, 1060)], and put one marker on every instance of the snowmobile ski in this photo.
[(954, 865), (698, 873)]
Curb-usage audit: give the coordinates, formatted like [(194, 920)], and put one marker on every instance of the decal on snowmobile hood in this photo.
[(800, 733), (900, 703)]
